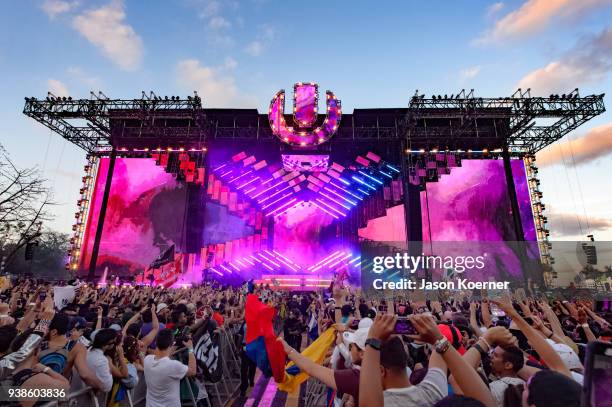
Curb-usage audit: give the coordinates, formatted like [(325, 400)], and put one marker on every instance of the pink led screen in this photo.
[(145, 211), (469, 204)]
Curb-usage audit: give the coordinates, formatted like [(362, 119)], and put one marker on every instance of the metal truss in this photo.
[(521, 112), (461, 121), (87, 122)]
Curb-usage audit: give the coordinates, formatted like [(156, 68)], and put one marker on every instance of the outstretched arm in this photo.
[(546, 352), (324, 374)]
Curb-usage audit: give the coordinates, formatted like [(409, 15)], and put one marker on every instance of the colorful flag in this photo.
[(261, 344)]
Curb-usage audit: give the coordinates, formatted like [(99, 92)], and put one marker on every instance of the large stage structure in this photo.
[(259, 172)]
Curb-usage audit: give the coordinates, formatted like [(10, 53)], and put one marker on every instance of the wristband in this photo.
[(479, 349), (551, 335), (442, 345), (584, 325), (373, 343), (190, 350)]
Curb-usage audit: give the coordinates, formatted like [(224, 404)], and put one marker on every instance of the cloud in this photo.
[(570, 224), (218, 23), (534, 16), (208, 8), (266, 34), (596, 143), (254, 48), (105, 27), (57, 87), (588, 61), (53, 8), (215, 85), (494, 9), (78, 75), (469, 73), (230, 63)]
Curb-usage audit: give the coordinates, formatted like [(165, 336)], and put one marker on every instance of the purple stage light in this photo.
[(249, 182), (325, 210), (240, 176), (344, 190), (372, 178), (225, 268), (239, 261), (279, 199), (219, 167), (354, 260), (327, 260), (281, 256), (284, 260), (248, 261), (284, 206), (345, 182), (340, 196), (334, 201), (362, 191), (392, 168), (266, 190), (331, 207), (385, 174), (216, 271), (227, 173), (340, 260), (277, 192), (270, 260), (363, 182)]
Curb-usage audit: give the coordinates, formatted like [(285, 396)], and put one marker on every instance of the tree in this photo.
[(49, 260), (24, 201)]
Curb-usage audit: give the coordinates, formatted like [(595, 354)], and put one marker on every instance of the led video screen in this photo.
[(469, 204), (145, 213)]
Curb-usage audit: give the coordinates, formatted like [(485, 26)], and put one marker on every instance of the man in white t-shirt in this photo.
[(505, 364), (163, 375)]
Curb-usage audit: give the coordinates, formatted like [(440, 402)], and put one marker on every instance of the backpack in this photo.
[(55, 359)]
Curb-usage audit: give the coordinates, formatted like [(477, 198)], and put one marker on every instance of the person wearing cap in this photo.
[(162, 312), (61, 354), (570, 360), (345, 381)]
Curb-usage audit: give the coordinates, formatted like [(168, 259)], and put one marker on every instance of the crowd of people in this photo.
[(460, 350)]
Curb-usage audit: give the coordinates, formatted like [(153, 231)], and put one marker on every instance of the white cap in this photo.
[(365, 323), (358, 337), (567, 354), (161, 306)]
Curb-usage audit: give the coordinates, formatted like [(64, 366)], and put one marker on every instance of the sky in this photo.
[(371, 54)]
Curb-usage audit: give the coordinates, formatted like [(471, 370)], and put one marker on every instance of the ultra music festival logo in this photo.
[(307, 130)]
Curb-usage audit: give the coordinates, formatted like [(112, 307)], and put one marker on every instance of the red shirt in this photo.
[(218, 318)]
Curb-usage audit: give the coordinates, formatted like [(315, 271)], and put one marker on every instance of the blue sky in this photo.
[(371, 54)]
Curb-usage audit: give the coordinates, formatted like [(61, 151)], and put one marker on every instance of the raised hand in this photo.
[(498, 335), (426, 327), (383, 327)]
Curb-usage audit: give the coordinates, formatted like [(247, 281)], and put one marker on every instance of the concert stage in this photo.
[(183, 192)]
